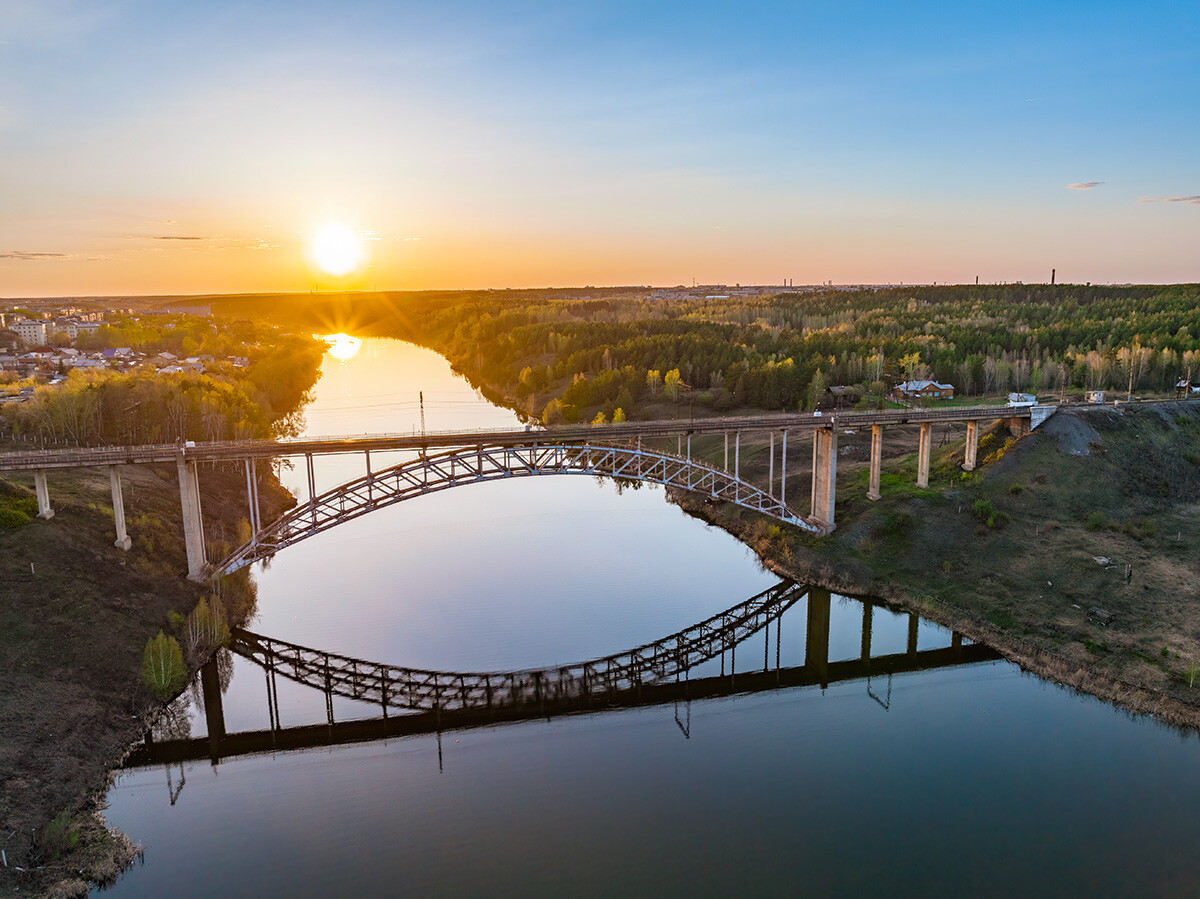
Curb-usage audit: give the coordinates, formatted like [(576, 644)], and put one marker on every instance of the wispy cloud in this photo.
[(1084, 185), (216, 243), (31, 257), (1191, 201)]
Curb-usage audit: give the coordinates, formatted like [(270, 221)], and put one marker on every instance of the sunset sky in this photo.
[(151, 147)]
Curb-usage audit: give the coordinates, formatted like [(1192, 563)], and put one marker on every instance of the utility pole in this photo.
[(421, 398)]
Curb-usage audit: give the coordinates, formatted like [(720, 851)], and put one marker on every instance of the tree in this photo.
[(671, 385), (162, 666), (653, 380), (816, 390)]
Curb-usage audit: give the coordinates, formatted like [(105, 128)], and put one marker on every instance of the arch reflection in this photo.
[(653, 674)]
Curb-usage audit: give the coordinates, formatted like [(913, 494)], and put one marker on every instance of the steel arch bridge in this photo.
[(479, 464)]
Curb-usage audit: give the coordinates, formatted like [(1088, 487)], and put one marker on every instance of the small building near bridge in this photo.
[(923, 390)]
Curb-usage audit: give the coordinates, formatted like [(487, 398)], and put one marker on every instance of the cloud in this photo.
[(31, 257), (1084, 185), (1191, 201), (217, 243)]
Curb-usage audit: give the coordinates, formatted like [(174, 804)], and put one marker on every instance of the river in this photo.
[(966, 778)]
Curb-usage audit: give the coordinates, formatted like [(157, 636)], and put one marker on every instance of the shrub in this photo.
[(59, 836), (983, 509), (1015, 489), (11, 519), (1095, 521)]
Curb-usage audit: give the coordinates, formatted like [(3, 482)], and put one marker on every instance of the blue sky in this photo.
[(151, 147)]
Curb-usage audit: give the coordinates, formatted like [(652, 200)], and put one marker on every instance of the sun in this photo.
[(336, 250)]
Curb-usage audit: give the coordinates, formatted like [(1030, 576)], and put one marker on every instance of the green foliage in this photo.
[(1095, 521), (1165, 653), (11, 519), (983, 509), (1190, 674), (163, 671), (58, 837)]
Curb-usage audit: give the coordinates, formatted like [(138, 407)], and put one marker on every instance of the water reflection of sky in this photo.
[(979, 779)]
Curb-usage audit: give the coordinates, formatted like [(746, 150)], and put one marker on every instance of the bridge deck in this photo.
[(220, 451)]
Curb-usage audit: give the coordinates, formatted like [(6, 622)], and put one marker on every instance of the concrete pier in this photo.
[(824, 475), (783, 471), (771, 468), (923, 454), (43, 495), (876, 460), (972, 446), (114, 479), (193, 523)]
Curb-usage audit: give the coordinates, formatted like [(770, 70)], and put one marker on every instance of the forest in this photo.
[(575, 354)]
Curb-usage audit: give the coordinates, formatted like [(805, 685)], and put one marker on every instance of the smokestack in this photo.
[(1051, 277)]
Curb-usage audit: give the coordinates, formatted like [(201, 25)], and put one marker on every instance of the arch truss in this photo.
[(456, 468), (419, 689)]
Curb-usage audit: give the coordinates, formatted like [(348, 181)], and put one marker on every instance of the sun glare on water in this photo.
[(337, 250), (342, 346)]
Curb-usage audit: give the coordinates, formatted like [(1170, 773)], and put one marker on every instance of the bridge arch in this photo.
[(478, 464)]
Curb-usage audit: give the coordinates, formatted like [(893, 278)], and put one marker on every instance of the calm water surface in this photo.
[(971, 779)]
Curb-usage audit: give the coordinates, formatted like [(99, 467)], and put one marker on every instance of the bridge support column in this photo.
[(913, 622), (193, 523), (923, 454), (43, 495), (726, 451), (783, 471), (972, 446), (1018, 427), (876, 460), (824, 475), (771, 468), (252, 498), (114, 479), (737, 453), (816, 640), (866, 631)]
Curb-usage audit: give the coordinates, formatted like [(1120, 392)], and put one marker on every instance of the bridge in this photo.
[(442, 460), (655, 673)]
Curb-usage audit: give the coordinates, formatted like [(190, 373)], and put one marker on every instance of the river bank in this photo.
[(1072, 551), (75, 614)]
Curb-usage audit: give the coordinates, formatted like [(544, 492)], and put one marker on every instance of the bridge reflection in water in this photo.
[(656, 673)]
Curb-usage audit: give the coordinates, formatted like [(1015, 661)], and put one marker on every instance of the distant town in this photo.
[(42, 347)]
